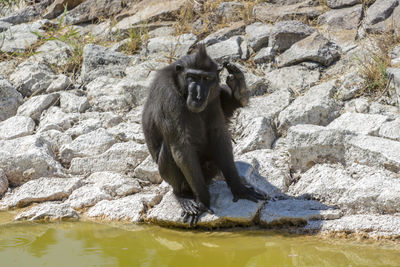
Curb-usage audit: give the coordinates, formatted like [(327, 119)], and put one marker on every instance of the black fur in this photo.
[(191, 147)]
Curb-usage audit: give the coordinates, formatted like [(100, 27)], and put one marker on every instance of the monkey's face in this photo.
[(201, 88)]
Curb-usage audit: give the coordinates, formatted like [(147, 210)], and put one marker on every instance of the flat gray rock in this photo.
[(293, 212), (41, 190), (391, 130), (368, 124), (26, 158), (148, 170), (314, 48), (226, 212), (341, 3), (49, 212), (121, 157), (130, 208), (55, 119), (265, 55), (16, 126), (286, 33), (70, 102), (37, 104), (257, 35), (226, 50), (223, 34), (128, 131), (317, 106), (176, 46), (10, 99), (54, 52), (19, 38), (59, 83), (379, 11), (87, 145), (344, 18)]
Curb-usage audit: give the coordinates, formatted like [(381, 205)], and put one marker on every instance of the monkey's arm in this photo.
[(152, 136)]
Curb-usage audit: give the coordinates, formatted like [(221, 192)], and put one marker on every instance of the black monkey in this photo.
[(185, 127)]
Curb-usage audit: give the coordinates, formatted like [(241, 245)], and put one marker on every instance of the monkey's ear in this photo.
[(179, 67)]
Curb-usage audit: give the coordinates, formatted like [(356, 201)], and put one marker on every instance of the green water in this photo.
[(92, 244)]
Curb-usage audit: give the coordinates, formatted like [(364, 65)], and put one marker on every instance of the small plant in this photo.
[(136, 37)]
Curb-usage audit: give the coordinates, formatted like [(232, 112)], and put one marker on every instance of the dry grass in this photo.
[(136, 37), (373, 65)]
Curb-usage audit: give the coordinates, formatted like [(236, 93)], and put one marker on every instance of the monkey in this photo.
[(185, 122)]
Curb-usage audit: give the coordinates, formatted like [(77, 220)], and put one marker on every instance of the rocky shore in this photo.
[(321, 135)]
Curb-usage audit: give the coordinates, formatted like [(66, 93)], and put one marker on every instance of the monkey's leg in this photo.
[(223, 156), (170, 172)]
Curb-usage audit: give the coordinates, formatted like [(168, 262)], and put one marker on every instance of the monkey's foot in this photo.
[(192, 210), (244, 191)]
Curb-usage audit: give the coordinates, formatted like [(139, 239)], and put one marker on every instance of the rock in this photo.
[(7, 67), (31, 78), (293, 212), (10, 99), (19, 38), (175, 46), (91, 10), (272, 12), (254, 133), (358, 105), (130, 208), (315, 48), (265, 55), (344, 18), (286, 33), (111, 94), (257, 35), (72, 103), (100, 61), (352, 85), (223, 34), (37, 104), (100, 186), (56, 139), (41, 190), (16, 126), (49, 212), (4, 26), (265, 170), (126, 131), (60, 83), (55, 119), (391, 130), (390, 111), (27, 13), (387, 25), (379, 11), (230, 11), (375, 225), (228, 50), (162, 31), (367, 124), (226, 212), (396, 80), (121, 157), (27, 158), (296, 79), (54, 52), (58, 7), (152, 10), (256, 85), (341, 3), (87, 145), (148, 170), (3, 183), (317, 106)]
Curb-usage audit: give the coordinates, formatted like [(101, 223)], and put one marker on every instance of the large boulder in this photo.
[(359, 123)]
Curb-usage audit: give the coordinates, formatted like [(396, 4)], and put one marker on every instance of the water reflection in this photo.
[(89, 244)]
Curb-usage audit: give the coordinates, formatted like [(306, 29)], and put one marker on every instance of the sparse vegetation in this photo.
[(136, 37)]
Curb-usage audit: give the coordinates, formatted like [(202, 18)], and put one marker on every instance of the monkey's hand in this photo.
[(245, 191), (192, 210), (237, 83)]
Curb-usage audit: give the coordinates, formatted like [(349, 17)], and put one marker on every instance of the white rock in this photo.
[(226, 212), (226, 50), (90, 144), (317, 106), (60, 83), (32, 78), (391, 130), (257, 35), (148, 170), (36, 105), (54, 52), (127, 131), (3, 183), (56, 139), (72, 103), (130, 208), (121, 157), (49, 212), (368, 124), (16, 126), (20, 37), (292, 212), (176, 46), (10, 99), (27, 158), (41, 190), (55, 119)]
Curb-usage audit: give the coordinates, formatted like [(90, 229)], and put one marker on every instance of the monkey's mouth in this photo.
[(197, 98)]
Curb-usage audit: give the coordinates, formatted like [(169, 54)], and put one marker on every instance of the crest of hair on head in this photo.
[(203, 61)]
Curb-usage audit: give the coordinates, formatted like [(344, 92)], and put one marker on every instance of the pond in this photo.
[(92, 244)]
